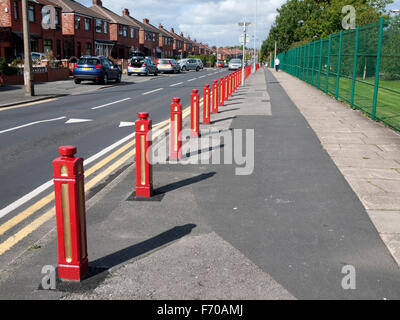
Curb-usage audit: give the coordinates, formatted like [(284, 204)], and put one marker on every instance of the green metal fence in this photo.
[(359, 66)]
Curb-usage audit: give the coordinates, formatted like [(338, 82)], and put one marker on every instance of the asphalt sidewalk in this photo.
[(284, 231)]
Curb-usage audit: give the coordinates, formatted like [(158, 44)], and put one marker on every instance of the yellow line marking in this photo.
[(24, 232), (28, 104), (50, 197)]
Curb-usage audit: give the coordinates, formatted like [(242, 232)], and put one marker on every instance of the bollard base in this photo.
[(194, 135), (73, 273), (144, 192), (175, 156)]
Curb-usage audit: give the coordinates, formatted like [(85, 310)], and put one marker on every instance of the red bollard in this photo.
[(176, 128), (70, 215), (215, 97), (230, 85), (206, 104), (195, 112), (144, 168), (226, 88), (221, 92)]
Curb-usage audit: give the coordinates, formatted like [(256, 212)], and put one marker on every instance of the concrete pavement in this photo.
[(283, 232)]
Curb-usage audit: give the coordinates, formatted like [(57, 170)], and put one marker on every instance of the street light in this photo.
[(244, 25)]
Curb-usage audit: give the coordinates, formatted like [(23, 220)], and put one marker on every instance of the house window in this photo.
[(47, 45), (57, 18), (31, 13), (120, 30), (15, 10), (87, 24), (154, 37), (77, 22), (98, 25), (105, 27), (125, 31), (132, 33), (88, 48), (79, 49)]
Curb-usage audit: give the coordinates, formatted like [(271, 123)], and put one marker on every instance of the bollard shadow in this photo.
[(99, 269), (230, 109), (136, 250), (183, 183), (199, 152), (223, 119), (159, 193)]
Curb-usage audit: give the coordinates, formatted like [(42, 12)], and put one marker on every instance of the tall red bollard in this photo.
[(195, 112), (144, 168), (230, 85), (221, 92), (215, 97), (206, 104), (70, 215), (176, 128)]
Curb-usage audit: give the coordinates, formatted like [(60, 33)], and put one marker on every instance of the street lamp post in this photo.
[(28, 80), (244, 24)]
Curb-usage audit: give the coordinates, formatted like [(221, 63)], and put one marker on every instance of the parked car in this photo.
[(221, 64), (142, 65), (235, 64), (189, 64), (168, 65), (200, 63), (98, 69)]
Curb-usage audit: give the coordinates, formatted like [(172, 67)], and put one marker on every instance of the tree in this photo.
[(302, 21)]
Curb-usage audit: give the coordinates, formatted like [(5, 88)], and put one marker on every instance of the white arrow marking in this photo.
[(126, 124), (78, 120)]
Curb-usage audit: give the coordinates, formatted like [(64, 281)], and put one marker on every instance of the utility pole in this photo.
[(28, 76), (255, 35), (244, 24)]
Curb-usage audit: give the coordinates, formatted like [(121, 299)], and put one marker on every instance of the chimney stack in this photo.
[(147, 21), (125, 12), (98, 3)]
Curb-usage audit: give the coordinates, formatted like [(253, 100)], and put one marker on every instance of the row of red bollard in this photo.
[(69, 173)]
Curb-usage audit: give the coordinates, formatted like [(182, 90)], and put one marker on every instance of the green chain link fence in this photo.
[(359, 66)]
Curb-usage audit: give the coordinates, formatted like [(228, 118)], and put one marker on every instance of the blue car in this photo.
[(97, 69)]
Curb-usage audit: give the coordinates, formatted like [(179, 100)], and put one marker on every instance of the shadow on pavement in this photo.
[(99, 269)]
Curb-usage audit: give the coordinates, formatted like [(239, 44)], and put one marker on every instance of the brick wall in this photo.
[(5, 18)]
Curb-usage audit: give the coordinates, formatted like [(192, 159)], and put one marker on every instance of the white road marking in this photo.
[(111, 103), (78, 120), (31, 124), (176, 84), (21, 201), (126, 124), (192, 79), (146, 93), (202, 77)]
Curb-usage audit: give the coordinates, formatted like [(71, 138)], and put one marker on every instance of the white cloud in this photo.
[(213, 22), (209, 21)]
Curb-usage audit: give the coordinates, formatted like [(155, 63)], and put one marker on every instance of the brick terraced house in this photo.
[(87, 31), (123, 31), (11, 30)]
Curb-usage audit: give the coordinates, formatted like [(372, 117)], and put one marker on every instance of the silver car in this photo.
[(168, 65), (142, 65), (189, 64), (235, 64)]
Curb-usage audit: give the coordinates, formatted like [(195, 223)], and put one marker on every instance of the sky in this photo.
[(213, 22)]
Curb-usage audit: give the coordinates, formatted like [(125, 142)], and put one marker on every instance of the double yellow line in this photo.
[(34, 225)]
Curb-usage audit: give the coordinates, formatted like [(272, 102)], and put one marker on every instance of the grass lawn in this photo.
[(388, 103)]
